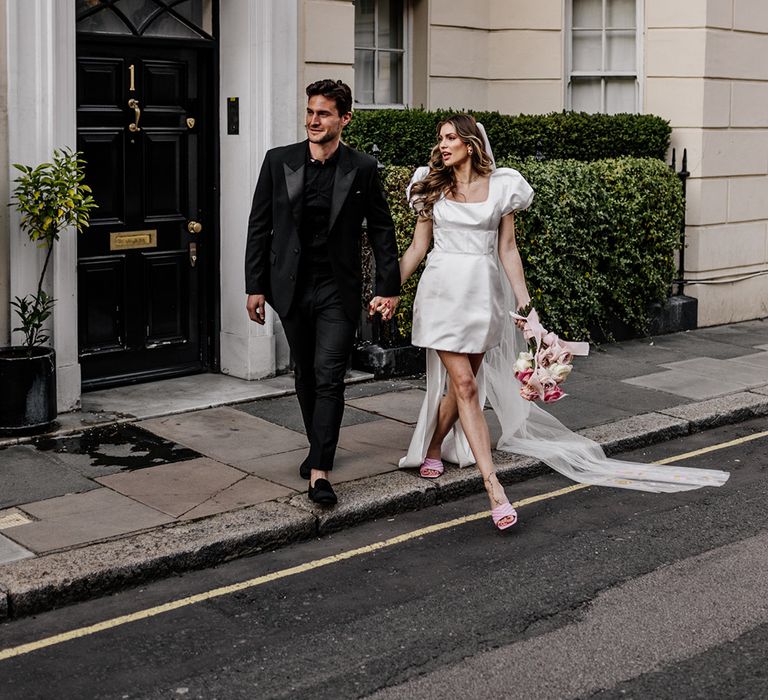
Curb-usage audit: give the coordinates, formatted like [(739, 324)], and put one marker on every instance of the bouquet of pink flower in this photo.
[(547, 363)]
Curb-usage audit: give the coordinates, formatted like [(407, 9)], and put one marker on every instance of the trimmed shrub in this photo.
[(597, 244), (406, 136)]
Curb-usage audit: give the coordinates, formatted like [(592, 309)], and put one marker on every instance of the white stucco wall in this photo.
[(5, 243), (41, 117), (504, 55), (258, 62), (707, 75)]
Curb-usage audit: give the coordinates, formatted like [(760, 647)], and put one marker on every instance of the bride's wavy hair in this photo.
[(441, 179)]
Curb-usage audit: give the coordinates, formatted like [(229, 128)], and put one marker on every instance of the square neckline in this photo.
[(485, 201)]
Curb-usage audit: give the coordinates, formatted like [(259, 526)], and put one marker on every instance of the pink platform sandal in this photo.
[(504, 516), (431, 468)]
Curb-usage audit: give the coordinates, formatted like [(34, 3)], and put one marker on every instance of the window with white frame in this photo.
[(603, 71), (380, 29)]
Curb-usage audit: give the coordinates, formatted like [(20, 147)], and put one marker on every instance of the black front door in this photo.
[(144, 127)]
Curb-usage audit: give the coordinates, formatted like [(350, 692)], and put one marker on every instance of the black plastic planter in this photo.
[(27, 390)]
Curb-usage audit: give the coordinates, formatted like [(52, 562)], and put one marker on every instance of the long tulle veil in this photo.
[(528, 429)]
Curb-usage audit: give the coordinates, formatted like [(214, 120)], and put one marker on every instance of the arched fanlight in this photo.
[(172, 19)]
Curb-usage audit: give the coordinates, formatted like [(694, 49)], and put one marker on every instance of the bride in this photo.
[(473, 279)]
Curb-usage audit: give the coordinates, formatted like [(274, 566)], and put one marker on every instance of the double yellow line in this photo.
[(22, 649)]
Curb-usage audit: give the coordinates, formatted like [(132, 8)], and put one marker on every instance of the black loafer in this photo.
[(305, 471), (322, 493)]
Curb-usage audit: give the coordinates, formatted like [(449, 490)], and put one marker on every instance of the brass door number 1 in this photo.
[(132, 71)]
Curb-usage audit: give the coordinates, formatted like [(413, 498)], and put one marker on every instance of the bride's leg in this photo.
[(448, 412), (473, 422)]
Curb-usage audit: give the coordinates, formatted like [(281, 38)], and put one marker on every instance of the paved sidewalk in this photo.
[(162, 477)]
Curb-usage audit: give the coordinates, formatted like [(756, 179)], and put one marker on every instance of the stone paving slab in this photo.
[(384, 386), (179, 395), (641, 350), (383, 440), (745, 334), (72, 520), (11, 551), (285, 412), (177, 488), (614, 366), (685, 343), (687, 384), (247, 492), (726, 370), (281, 468), (726, 409), (26, 474), (577, 413), (624, 398), (226, 434), (33, 585), (403, 406), (758, 359)]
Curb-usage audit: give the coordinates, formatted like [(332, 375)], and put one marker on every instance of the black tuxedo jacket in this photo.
[(273, 248)]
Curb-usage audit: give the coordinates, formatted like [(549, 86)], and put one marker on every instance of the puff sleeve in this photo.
[(517, 193), (420, 174)]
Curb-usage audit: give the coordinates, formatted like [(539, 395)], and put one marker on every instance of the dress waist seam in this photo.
[(462, 252)]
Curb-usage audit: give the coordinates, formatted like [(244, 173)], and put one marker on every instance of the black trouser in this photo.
[(320, 336)]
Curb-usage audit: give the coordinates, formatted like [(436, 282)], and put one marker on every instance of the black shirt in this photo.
[(318, 190)]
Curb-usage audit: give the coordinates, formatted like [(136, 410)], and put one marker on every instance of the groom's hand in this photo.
[(383, 305), (255, 306)]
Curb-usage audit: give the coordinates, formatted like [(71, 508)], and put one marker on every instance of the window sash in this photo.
[(379, 56), (615, 60)]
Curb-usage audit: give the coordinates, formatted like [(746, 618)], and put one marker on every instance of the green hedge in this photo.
[(406, 137), (597, 244)]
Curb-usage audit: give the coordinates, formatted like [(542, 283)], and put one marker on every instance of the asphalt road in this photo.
[(597, 592)]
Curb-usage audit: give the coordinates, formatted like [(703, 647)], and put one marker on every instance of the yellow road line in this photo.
[(712, 448), (22, 649)]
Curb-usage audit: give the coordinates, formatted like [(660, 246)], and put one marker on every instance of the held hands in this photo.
[(255, 307), (383, 305)]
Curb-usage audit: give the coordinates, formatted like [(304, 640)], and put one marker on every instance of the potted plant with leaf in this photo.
[(51, 198)]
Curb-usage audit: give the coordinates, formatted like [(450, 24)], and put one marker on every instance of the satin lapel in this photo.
[(294, 183), (342, 184)]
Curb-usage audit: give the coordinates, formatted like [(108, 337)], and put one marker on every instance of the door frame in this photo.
[(209, 317)]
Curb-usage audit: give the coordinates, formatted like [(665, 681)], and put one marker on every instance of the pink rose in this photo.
[(565, 358), (524, 376), (545, 378), (529, 393), (554, 394), (544, 358)]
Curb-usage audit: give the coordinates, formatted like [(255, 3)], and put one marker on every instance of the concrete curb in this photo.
[(31, 586)]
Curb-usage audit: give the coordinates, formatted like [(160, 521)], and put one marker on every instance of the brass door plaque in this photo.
[(130, 240)]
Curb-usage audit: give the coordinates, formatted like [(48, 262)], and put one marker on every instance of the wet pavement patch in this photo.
[(112, 449)]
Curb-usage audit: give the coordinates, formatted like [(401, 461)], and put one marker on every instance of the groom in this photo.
[(303, 257)]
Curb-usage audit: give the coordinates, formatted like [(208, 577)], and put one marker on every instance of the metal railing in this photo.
[(683, 174)]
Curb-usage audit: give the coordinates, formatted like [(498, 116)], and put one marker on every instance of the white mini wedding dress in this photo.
[(462, 305)]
